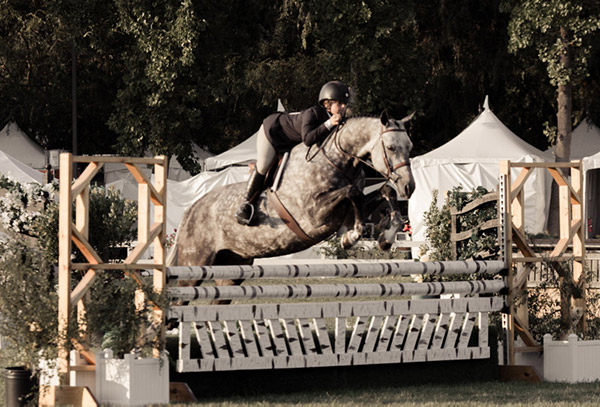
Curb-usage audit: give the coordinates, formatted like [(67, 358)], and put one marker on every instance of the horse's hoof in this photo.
[(349, 239), (245, 214), (383, 243)]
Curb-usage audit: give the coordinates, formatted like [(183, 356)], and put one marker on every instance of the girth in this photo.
[(288, 219)]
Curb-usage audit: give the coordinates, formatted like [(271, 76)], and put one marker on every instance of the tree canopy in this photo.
[(157, 76)]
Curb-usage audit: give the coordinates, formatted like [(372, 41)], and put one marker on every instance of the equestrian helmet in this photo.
[(334, 90)]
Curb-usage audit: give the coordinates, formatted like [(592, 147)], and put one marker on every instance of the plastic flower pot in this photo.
[(18, 389)]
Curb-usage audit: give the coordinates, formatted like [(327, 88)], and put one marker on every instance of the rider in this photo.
[(281, 131)]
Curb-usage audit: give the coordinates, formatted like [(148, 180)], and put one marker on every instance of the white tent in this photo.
[(242, 154), (472, 159), (591, 192), (114, 172), (15, 169), (16, 143), (585, 141)]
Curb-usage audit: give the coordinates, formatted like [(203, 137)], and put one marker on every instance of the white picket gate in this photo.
[(334, 333)]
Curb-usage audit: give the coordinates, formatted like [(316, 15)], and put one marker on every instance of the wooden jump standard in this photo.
[(151, 232), (253, 336)]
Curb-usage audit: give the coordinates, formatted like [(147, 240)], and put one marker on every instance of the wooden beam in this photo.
[(115, 266), (543, 165), (521, 278), (86, 354), (141, 178), (136, 253), (519, 240), (115, 159), (83, 286), (86, 177), (84, 247), (563, 243), (525, 335), (517, 185)]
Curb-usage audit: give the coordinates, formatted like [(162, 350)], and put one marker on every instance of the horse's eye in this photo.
[(391, 148)]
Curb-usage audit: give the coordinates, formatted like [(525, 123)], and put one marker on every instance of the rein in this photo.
[(333, 135), (390, 170)]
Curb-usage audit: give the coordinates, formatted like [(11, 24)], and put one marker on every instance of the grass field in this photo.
[(465, 394), (462, 383)]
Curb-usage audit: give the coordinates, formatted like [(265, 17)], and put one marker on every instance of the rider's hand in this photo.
[(335, 119)]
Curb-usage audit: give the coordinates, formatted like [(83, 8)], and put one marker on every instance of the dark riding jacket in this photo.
[(284, 130)]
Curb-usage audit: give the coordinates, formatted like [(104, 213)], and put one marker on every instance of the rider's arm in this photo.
[(314, 128)]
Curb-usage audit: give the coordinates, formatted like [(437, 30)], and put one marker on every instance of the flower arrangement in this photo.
[(170, 239)]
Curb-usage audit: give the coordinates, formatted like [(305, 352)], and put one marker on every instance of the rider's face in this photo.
[(337, 107)]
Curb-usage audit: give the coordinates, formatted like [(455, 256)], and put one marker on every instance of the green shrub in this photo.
[(438, 224), (28, 273)]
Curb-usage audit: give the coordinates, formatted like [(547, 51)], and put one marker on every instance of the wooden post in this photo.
[(82, 224), (160, 217), (64, 264), (506, 219), (577, 215)]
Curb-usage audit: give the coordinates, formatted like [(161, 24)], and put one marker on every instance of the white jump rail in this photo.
[(337, 333)]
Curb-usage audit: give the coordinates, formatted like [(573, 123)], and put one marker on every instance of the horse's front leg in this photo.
[(352, 236)]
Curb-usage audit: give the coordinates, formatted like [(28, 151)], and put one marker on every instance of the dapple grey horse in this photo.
[(320, 187)]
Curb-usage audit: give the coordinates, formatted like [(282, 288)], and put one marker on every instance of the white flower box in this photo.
[(571, 361), (131, 381)]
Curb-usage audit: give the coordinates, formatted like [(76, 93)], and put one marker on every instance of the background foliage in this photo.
[(28, 274), (155, 76)]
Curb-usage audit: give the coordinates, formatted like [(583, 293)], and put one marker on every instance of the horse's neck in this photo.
[(354, 138)]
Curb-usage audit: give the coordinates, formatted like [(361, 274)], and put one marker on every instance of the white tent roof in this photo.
[(585, 141), (13, 168), (486, 139), (242, 154), (15, 142), (472, 159)]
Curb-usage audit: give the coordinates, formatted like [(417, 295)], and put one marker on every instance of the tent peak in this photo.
[(486, 105)]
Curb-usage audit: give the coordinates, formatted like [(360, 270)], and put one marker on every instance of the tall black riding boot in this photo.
[(245, 214)]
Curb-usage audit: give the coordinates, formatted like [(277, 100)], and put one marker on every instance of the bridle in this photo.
[(391, 174)]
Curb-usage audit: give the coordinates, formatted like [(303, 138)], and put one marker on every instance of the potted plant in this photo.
[(556, 319)]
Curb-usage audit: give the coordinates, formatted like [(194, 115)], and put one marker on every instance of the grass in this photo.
[(464, 384), (465, 394), (459, 383)]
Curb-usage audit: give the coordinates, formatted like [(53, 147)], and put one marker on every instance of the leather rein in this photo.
[(391, 175)]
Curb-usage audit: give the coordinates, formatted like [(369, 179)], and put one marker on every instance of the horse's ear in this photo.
[(384, 118), (408, 118)]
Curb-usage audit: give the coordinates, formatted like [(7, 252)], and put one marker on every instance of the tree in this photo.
[(155, 109), (560, 32), (35, 70), (369, 45)]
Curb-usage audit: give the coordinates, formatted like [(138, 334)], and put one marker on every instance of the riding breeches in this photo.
[(265, 152)]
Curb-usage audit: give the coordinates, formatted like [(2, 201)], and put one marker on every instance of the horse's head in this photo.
[(390, 148)]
